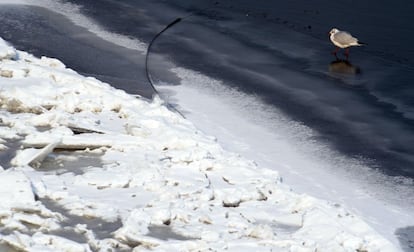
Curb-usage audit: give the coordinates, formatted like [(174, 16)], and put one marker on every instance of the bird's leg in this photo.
[(336, 50), (347, 53)]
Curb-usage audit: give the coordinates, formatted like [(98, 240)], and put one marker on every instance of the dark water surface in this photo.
[(279, 51), (45, 33)]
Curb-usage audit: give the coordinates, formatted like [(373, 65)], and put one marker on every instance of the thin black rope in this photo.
[(149, 50), (176, 21), (147, 60)]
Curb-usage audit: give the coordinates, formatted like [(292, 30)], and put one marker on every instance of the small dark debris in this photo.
[(231, 204), (78, 130)]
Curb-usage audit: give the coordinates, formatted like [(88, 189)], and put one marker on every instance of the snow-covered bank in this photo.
[(160, 183), (248, 126)]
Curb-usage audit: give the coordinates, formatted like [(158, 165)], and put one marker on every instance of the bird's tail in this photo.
[(361, 43)]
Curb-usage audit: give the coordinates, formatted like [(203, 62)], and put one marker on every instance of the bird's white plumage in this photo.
[(343, 39)]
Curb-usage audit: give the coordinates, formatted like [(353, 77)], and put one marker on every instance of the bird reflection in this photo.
[(341, 66)]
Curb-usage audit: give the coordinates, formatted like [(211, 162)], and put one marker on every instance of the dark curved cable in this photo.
[(177, 20), (147, 58), (149, 50)]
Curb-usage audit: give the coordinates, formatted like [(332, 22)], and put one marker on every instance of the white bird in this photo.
[(344, 40)]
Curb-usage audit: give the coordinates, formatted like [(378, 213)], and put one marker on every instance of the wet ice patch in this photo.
[(76, 162)]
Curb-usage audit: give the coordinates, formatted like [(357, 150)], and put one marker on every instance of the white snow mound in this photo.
[(6, 51)]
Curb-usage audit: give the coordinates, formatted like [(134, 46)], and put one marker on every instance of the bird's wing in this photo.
[(345, 38)]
